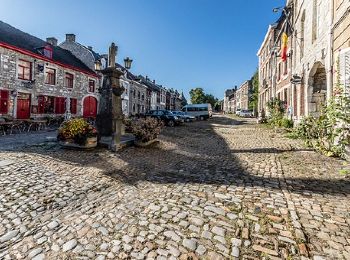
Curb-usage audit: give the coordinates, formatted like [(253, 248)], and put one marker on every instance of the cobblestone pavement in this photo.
[(220, 189)]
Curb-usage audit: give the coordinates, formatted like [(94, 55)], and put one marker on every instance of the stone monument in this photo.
[(109, 120)]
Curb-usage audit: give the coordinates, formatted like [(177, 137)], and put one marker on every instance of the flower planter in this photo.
[(139, 143), (91, 142)]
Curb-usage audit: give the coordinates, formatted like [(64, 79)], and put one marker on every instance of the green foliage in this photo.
[(253, 103), (329, 133), (276, 109), (198, 96), (77, 130)]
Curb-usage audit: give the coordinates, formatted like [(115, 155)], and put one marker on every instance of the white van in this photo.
[(199, 111)]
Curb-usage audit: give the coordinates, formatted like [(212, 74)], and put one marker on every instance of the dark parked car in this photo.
[(184, 116), (166, 116)]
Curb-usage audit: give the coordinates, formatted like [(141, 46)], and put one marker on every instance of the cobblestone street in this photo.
[(218, 189)]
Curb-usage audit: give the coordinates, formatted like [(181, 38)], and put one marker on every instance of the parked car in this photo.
[(238, 110), (166, 116), (199, 111), (246, 113), (184, 116)]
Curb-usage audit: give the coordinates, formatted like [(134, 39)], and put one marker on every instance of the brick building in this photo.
[(38, 78)]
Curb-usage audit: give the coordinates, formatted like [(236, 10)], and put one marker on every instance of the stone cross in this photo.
[(112, 55)]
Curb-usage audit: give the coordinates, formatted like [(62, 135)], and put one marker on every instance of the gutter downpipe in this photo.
[(330, 55)]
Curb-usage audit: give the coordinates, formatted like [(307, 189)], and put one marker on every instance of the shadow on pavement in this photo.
[(195, 153)]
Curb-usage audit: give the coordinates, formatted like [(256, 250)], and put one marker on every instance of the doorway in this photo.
[(23, 106)]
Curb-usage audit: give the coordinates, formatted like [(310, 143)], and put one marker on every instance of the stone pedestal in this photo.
[(109, 120)]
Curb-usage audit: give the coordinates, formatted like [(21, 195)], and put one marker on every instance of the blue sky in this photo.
[(181, 44)]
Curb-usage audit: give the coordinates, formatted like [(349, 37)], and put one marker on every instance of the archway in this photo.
[(317, 90), (89, 107)]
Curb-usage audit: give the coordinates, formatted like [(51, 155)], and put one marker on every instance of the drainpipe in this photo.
[(330, 55)]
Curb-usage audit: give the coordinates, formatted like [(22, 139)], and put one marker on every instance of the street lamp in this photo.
[(127, 63)]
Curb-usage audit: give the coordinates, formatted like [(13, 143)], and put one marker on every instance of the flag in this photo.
[(284, 46)]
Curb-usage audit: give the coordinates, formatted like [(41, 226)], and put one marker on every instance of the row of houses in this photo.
[(304, 55), (43, 78), (238, 98)]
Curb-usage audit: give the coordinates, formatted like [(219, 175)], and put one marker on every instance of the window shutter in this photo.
[(344, 70), (4, 96)]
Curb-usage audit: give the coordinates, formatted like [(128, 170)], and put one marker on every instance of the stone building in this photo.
[(341, 44), (39, 79), (228, 101), (96, 62), (243, 95), (266, 55), (304, 80), (138, 96), (311, 55)]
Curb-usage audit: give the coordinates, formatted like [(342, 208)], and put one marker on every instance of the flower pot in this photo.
[(91, 142), (139, 143)]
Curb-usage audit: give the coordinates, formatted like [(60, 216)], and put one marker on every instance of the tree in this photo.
[(209, 98), (197, 96), (253, 104)]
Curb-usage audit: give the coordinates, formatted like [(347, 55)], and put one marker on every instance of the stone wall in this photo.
[(9, 81)]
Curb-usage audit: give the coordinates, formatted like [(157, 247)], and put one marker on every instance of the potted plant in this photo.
[(145, 130), (77, 133)]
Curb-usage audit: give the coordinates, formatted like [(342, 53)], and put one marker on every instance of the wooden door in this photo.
[(90, 107), (23, 106)]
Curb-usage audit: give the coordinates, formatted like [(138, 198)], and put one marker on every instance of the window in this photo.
[(285, 69), (279, 71), (50, 76), (24, 70), (69, 80), (134, 93), (60, 105), (4, 96), (143, 97), (138, 95), (46, 104), (91, 85), (73, 105)]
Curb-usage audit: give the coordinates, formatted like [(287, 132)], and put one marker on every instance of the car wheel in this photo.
[(171, 123), (201, 118)]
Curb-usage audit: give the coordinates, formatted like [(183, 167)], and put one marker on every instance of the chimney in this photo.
[(147, 78), (90, 48), (52, 41), (154, 81), (70, 37)]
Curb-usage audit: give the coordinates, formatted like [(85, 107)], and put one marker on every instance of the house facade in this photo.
[(91, 58), (303, 78), (266, 55), (244, 94), (40, 79), (311, 55)]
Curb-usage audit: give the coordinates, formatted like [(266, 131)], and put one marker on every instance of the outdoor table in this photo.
[(4, 126), (39, 124)]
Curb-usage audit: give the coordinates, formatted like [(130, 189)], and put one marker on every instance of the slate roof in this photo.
[(15, 37), (149, 83)]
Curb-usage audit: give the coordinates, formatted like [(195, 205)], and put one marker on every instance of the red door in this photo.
[(23, 106), (90, 107)]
